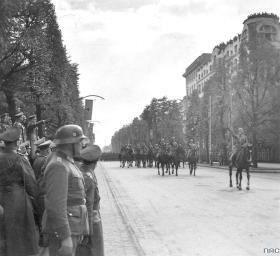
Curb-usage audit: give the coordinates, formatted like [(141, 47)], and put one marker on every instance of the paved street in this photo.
[(146, 214)]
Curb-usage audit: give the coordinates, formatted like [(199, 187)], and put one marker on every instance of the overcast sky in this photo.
[(130, 51)]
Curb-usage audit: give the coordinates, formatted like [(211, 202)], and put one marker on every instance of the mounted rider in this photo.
[(156, 150), (240, 143), (174, 146), (144, 149), (193, 149), (129, 149), (162, 146)]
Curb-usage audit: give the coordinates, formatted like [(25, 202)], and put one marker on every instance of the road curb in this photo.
[(253, 170)]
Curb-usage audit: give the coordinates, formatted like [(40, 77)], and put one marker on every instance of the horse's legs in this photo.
[(240, 179), (194, 168), (237, 175), (248, 178), (230, 176), (162, 168)]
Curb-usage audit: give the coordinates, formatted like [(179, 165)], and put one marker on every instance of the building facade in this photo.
[(200, 70), (257, 26)]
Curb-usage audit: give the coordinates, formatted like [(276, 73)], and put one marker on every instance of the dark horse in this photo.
[(122, 157), (242, 161), (163, 160), (126, 155), (150, 157), (178, 156), (192, 159)]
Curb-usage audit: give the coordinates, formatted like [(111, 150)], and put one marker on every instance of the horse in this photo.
[(192, 159), (163, 160), (150, 157), (130, 157), (137, 159), (122, 157), (242, 161), (178, 156)]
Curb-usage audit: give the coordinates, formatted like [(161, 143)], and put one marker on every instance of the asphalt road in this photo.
[(147, 214)]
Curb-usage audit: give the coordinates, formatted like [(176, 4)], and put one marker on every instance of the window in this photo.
[(245, 34), (235, 49), (268, 32)]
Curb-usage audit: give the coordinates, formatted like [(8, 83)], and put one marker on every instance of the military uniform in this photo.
[(65, 219), (240, 145), (93, 246), (22, 129), (65, 210), (39, 165), (162, 147), (174, 147), (95, 241), (18, 190)]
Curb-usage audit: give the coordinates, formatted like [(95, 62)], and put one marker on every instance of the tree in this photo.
[(35, 71), (256, 85)]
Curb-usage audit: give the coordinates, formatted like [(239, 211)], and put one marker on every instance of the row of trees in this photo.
[(244, 95), (36, 74), (160, 119)]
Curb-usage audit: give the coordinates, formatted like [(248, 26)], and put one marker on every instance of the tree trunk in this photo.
[(11, 101), (39, 117)]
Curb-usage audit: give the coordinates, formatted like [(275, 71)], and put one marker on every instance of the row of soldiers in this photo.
[(50, 207), (28, 128), (164, 146)]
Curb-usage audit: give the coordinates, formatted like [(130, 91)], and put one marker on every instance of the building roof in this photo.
[(201, 60), (262, 15)]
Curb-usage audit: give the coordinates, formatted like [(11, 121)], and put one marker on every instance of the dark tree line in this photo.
[(36, 74), (162, 118)]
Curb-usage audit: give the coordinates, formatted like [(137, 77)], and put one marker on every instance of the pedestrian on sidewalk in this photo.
[(93, 244)]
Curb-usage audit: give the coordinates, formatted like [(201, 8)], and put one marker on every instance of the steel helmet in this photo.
[(68, 134)]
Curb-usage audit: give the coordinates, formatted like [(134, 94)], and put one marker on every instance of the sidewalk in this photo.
[(262, 167)]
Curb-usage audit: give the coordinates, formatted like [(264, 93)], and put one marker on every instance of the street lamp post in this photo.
[(210, 129)]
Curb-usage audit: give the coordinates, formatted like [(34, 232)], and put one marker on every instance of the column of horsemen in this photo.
[(167, 155), (49, 197)]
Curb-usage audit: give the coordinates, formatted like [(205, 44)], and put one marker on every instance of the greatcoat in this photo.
[(18, 191)]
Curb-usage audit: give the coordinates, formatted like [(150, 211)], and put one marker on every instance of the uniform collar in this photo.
[(63, 155)]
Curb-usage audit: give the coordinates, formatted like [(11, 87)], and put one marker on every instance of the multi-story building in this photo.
[(256, 26), (199, 71)]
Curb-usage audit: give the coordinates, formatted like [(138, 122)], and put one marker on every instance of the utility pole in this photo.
[(210, 129)]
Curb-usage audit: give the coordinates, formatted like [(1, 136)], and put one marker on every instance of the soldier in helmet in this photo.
[(174, 146), (162, 146), (93, 244), (65, 219), (17, 189)]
